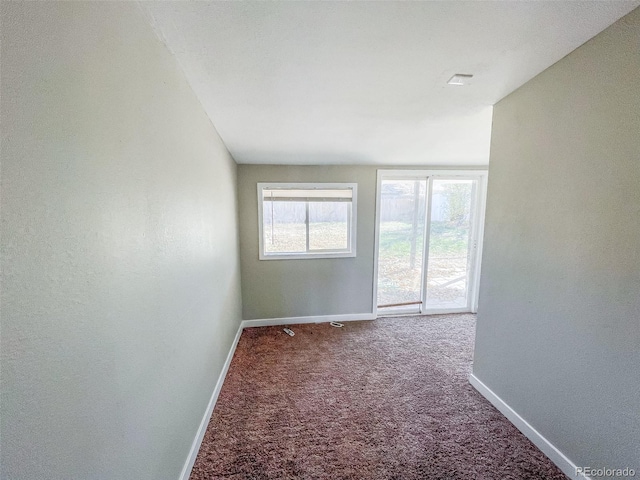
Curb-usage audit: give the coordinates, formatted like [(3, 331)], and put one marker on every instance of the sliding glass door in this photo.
[(450, 253), (428, 225), (401, 243)]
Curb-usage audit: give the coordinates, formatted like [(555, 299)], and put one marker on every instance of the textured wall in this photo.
[(559, 315), (120, 271)]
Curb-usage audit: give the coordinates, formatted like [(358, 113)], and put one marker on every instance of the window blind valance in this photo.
[(307, 195)]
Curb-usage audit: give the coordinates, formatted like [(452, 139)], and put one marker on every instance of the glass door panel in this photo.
[(401, 244), (449, 262)]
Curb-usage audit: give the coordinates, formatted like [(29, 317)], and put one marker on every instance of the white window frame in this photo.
[(351, 225)]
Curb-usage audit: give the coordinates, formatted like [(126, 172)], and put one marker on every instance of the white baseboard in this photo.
[(545, 446), (269, 322), (195, 446)]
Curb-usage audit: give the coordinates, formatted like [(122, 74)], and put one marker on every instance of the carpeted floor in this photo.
[(387, 399)]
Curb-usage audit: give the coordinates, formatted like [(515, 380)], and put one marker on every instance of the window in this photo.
[(307, 220)]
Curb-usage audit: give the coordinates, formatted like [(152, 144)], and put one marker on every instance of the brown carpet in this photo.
[(387, 399)]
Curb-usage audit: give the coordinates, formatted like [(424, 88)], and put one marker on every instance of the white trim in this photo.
[(472, 244), (352, 222), (197, 442), (426, 239), (376, 242), (481, 210), (555, 455), (307, 256), (269, 322)]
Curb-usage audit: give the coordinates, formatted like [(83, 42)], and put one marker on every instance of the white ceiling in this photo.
[(365, 82)]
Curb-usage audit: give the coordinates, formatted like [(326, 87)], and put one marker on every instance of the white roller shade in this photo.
[(307, 195)]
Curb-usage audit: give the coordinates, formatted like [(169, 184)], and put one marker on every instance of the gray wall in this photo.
[(290, 288), (558, 330), (293, 288), (120, 271)]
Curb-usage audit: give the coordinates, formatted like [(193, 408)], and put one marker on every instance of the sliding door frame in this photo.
[(476, 233)]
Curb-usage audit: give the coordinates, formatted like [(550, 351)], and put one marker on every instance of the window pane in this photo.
[(307, 220), (401, 242), (329, 225), (448, 265), (284, 227)]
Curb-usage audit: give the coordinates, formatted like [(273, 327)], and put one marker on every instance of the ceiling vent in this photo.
[(460, 79)]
